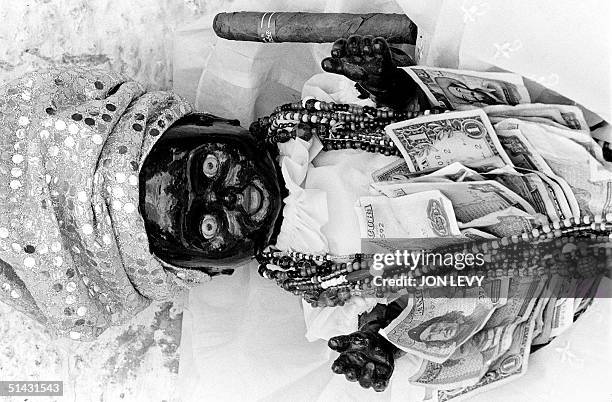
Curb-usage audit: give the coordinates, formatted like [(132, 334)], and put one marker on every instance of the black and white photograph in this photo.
[(317, 201)]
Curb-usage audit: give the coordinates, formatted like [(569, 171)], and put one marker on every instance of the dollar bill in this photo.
[(520, 150), (470, 200), (472, 359), (562, 196), (568, 192), (460, 89), (589, 179), (456, 171), (424, 215), (397, 170), (434, 141), (512, 364), (531, 188), (561, 116), (441, 320)]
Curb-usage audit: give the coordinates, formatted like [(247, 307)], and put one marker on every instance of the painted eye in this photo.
[(209, 227), (211, 166)]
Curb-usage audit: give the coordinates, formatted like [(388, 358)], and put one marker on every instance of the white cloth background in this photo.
[(561, 44), (243, 337), (243, 340)]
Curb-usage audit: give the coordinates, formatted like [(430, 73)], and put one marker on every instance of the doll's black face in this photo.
[(208, 195)]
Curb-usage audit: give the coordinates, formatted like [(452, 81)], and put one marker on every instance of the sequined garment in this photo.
[(73, 249)]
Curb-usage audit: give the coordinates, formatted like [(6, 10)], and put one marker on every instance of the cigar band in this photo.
[(267, 27)]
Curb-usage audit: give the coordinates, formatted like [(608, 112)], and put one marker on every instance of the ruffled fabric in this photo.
[(305, 210)]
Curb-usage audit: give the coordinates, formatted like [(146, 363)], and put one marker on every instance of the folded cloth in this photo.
[(73, 249)]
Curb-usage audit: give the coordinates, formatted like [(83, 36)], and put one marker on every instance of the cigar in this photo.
[(312, 27)]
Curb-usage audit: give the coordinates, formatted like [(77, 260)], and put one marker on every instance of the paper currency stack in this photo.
[(496, 166)]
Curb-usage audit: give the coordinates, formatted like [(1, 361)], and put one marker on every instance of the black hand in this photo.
[(366, 357), (373, 65)]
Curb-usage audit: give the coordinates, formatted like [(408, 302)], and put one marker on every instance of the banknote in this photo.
[(474, 234), (562, 116), (520, 150), (508, 222), (511, 365), (568, 123), (461, 89), (550, 293), (423, 215), (523, 293), (397, 170), (562, 196), (456, 172), (527, 158), (539, 318), (563, 312), (472, 359), (434, 141), (441, 320), (417, 244), (531, 188), (470, 200), (587, 299), (582, 291), (465, 366), (589, 178), (568, 192)]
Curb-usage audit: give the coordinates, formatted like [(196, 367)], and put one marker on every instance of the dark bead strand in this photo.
[(324, 115), (506, 263)]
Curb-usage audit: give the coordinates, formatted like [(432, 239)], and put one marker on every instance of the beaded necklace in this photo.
[(344, 126), (310, 275), (338, 126)]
